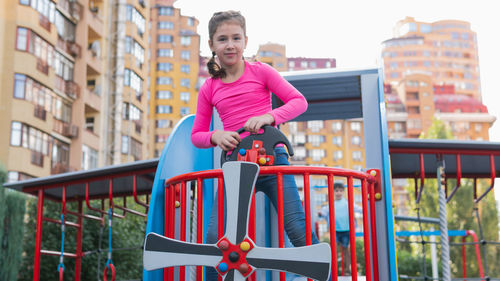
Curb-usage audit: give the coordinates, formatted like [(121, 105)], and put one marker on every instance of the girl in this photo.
[(241, 93)]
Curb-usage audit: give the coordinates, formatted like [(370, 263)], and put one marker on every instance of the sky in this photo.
[(351, 31)]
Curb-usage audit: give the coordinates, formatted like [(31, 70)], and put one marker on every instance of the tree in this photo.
[(126, 233), (12, 209)]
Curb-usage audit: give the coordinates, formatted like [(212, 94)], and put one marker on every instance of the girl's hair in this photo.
[(215, 70)]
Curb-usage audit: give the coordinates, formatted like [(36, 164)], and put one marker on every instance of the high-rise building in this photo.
[(72, 79), (429, 66), (175, 61), (446, 50)]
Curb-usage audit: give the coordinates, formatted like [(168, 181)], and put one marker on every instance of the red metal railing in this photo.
[(175, 197)]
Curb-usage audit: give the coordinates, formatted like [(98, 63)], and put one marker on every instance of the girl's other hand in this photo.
[(227, 140), (254, 124)]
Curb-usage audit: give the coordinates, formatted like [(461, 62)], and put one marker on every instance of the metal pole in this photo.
[(38, 239), (443, 223), (435, 273)]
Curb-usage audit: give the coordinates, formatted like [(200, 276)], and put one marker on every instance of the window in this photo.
[(299, 139), (356, 140), (131, 112), (317, 154), (478, 127), (63, 67), (185, 82), (164, 95), (356, 126), (185, 68), (15, 134), (161, 138), (185, 55), (165, 11), (337, 155), (24, 2), (132, 80), (22, 39), (164, 80), (165, 25), (19, 85), (315, 125), (164, 66), (336, 126), (357, 156), (185, 111), (165, 38), (89, 158), (190, 21), (65, 28), (169, 53), (316, 140), (185, 96), (135, 17), (163, 109), (163, 123), (303, 64), (291, 64), (185, 40), (125, 144), (337, 140), (300, 153)]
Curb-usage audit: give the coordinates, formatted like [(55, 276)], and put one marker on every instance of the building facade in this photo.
[(175, 61), (73, 94)]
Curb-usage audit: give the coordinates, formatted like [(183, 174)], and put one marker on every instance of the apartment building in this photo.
[(175, 62), (445, 50), (73, 93)]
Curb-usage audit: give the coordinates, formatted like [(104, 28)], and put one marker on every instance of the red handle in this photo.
[(112, 267), (61, 273)]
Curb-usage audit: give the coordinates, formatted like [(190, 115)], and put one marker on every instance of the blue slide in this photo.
[(179, 156)]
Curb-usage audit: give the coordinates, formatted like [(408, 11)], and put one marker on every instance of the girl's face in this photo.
[(228, 43)]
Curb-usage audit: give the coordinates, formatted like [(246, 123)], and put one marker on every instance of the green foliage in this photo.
[(126, 233), (12, 209), (11, 246), (437, 130)]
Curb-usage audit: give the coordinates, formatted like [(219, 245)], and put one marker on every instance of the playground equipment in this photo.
[(186, 176), (236, 256)]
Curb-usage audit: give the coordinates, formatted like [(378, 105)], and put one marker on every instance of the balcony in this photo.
[(138, 126), (69, 47), (44, 22), (59, 168), (72, 89), (94, 62), (42, 66), (92, 98), (37, 158), (70, 130), (95, 22), (40, 112)]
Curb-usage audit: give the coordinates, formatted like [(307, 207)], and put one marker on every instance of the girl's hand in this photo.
[(255, 123), (227, 140)]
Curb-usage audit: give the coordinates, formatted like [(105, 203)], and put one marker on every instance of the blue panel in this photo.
[(179, 156)]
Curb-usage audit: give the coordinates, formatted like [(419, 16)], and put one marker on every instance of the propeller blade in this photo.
[(310, 261), (161, 251), (239, 179)]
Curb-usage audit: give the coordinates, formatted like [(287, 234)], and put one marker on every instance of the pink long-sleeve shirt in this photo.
[(244, 98)]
